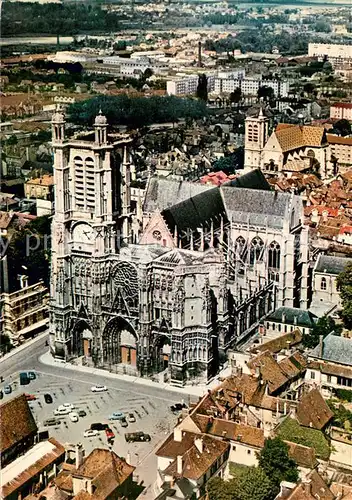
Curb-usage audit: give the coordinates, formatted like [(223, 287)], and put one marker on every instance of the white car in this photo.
[(89, 433), (73, 416), (99, 388), (68, 406), (62, 411)]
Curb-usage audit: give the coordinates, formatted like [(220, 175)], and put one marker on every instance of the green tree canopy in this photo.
[(202, 89), (324, 326), (344, 285), (254, 484), (276, 463), (343, 127)]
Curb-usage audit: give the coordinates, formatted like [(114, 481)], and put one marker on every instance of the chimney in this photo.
[(321, 345), (177, 434), (79, 455), (179, 464), (293, 412), (295, 320), (199, 444)]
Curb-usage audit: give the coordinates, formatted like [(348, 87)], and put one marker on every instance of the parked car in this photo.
[(7, 389), (109, 433), (123, 422), (98, 426), (82, 413), (117, 415), (1, 394), (48, 398), (32, 376), (62, 411), (51, 421), (30, 397), (73, 416), (134, 437), (99, 388), (68, 406), (131, 418), (177, 407), (89, 433)]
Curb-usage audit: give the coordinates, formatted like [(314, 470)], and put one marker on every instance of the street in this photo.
[(150, 406)]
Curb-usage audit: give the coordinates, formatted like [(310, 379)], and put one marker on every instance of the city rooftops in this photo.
[(334, 348), (330, 264), (293, 316), (14, 430)]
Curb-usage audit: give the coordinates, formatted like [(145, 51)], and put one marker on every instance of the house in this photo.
[(31, 471), (5, 222), (311, 487), (17, 435), (288, 319), (330, 364), (326, 270), (312, 411), (192, 457), (41, 187), (278, 344), (102, 475)]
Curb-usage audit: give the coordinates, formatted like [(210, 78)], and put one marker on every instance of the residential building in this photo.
[(18, 429), (102, 474), (340, 149), (336, 53), (41, 187), (167, 270), (330, 364), (32, 471), (326, 270), (25, 312), (288, 319), (191, 457), (250, 86), (311, 487), (341, 110)]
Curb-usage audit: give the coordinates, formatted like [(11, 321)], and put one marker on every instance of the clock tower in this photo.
[(92, 218)]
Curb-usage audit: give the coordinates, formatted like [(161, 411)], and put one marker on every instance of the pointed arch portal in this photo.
[(81, 338), (119, 342)]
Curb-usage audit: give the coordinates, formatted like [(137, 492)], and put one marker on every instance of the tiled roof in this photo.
[(163, 193), (296, 136), (336, 139), (52, 451), (252, 180), (317, 489), (345, 105), (45, 180), (13, 430), (229, 430), (331, 368), (293, 316), (304, 456), (256, 206), (194, 463), (270, 371), (330, 264), (5, 219), (283, 342), (335, 348), (312, 410)]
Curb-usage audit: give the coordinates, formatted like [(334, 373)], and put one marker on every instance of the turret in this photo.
[(58, 127), (100, 126)]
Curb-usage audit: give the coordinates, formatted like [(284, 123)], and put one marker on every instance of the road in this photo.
[(149, 404)]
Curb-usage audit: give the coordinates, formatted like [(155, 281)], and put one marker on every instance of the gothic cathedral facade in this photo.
[(169, 287)]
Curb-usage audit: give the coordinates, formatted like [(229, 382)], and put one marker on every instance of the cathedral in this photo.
[(168, 286)]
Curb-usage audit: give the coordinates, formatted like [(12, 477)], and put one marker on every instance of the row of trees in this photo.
[(258, 483), (137, 112)]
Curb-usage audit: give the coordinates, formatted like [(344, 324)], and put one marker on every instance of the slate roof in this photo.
[(14, 430), (303, 317), (335, 348), (330, 264), (196, 212), (312, 410), (164, 193), (252, 180), (256, 206)]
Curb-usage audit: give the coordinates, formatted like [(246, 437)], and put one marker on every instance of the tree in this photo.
[(147, 73), (276, 463), (202, 89), (344, 285), (267, 93), (218, 489), (309, 88), (5, 343), (324, 326), (236, 95), (343, 127), (254, 484)]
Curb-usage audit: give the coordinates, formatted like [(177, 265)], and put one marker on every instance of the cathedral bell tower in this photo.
[(100, 127), (256, 136)]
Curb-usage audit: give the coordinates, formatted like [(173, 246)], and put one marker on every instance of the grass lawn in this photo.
[(236, 469), (290, 430)]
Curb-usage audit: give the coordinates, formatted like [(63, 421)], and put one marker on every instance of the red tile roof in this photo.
[(312, 410), (13, 430)]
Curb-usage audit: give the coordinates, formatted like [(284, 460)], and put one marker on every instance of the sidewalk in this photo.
[(25, 345), (198, 390)]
